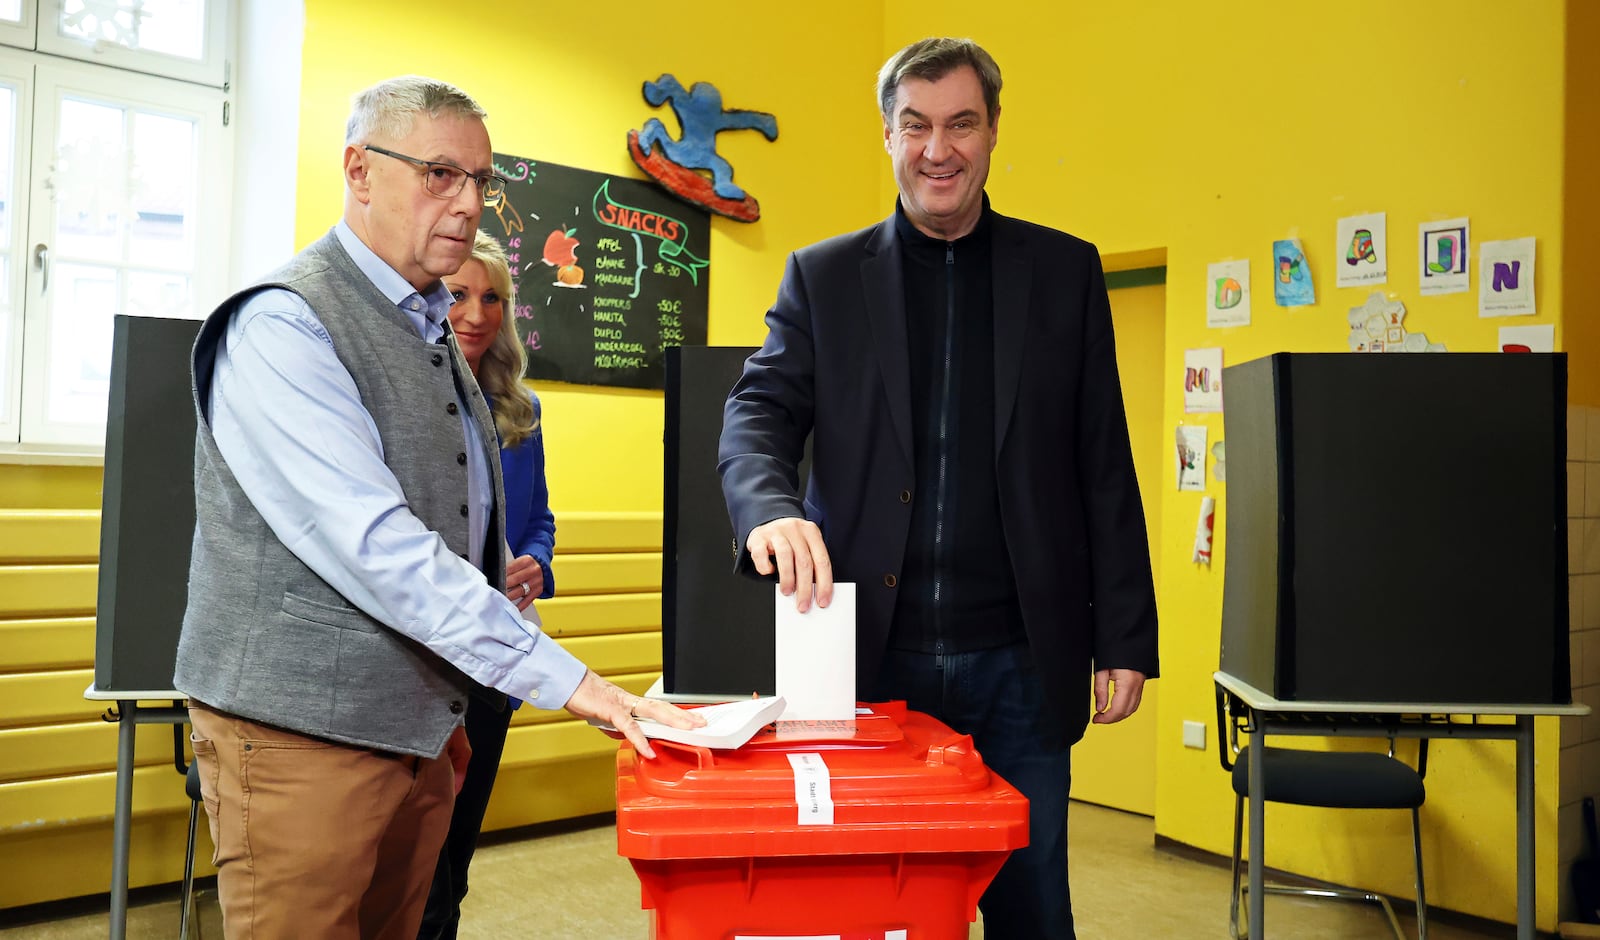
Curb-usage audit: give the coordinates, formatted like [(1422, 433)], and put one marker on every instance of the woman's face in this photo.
[(475, 317)]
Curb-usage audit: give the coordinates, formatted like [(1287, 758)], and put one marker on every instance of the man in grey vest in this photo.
[(347, 583)]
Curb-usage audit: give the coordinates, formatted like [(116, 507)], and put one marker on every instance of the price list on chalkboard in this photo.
[(610, 272)]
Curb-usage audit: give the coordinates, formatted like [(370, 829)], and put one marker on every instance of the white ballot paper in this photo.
[(816, 657)]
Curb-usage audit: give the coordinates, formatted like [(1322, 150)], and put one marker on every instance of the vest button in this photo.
[(890, 580), (905, 496), (461, 459), (451, 408), (438, 360), (463, 510), (456, 707)]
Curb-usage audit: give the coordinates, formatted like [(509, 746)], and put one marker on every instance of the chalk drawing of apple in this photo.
[(560, 248)]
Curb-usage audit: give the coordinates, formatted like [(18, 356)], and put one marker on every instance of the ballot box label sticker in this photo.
[(813, 792)]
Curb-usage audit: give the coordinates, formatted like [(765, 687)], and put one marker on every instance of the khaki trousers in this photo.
[(318, 839)]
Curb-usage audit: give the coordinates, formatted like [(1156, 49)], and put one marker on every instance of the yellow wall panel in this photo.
[(47, 486), (82, 747), (607, 574), (35, 536), (580, 532), (54, 643), (47, 590), (41, 697), (599, 613)]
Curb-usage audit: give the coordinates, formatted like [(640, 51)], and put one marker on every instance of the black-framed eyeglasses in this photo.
[(446, 180)]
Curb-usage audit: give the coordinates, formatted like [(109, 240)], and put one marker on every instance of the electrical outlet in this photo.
[(1194, 735)]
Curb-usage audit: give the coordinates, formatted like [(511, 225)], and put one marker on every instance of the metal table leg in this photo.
[(1258, 822), (122, 819), (1526, 905)]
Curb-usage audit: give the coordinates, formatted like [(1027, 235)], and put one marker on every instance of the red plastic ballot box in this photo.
[(889, 831)]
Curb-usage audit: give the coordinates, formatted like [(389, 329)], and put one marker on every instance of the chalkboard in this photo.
[(147, 506), (611, 272)]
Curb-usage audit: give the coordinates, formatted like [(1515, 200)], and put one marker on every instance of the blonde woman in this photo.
[(482, 321)]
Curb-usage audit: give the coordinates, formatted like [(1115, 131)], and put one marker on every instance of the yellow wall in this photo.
[(1581, 197), (1210, 131)]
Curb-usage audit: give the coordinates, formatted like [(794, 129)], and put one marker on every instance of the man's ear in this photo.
[(994, 130), (356, 169)]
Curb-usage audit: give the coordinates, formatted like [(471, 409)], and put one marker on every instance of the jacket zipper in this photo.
[(944, 455)]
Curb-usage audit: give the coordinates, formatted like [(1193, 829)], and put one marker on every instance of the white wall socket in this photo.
[(1194, 735)]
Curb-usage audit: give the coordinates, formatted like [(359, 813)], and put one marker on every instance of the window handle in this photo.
[(41, 261)]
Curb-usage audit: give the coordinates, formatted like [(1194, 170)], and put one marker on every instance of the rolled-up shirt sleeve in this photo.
[(288, 419)]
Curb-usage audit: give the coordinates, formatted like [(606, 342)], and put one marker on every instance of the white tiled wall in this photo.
[(1580, 737)]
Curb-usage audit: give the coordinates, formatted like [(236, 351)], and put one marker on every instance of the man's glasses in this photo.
[(446, 180)]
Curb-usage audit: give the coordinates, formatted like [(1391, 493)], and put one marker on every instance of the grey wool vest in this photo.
[(264, 637)]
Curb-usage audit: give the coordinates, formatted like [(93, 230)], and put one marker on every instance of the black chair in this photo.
[(1337, 780), (192, 787)]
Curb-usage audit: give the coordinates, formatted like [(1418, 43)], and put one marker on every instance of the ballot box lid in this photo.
[(901, 782)]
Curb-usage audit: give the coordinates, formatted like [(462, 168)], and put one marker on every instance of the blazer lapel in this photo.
[(882, 284), (1013, 278)]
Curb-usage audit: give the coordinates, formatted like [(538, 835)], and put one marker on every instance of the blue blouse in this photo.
[(530, 525)]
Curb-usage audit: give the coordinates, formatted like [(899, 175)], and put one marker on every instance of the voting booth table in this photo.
[(891, 831)]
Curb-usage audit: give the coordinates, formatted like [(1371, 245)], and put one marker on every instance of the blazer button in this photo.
[(463, 510), (461, 459), (890, 580), (905, 496), (456, 707), (451, 408), (438, 360)]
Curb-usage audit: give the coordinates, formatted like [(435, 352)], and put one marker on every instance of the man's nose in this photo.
[(469, 201)]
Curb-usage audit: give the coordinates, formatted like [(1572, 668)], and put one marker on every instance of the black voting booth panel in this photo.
[(716, 626), (147, 505), (1396, 527)]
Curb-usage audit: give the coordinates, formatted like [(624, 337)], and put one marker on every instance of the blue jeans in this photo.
[(994, 696)]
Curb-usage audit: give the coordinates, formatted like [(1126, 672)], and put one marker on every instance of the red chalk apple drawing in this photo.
[(560, 252)]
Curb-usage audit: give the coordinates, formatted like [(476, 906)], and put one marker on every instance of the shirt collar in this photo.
[(427, 310)]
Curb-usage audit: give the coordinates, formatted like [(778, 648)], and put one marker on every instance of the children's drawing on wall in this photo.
[(1442, 257), (1228, 293), (675, 163), (1363, 242), (1202, 380), (1202, 531), (1528, 338), (1191, 442), (1219, 462), (1505, 278), (1291, 282), (1379, 326)]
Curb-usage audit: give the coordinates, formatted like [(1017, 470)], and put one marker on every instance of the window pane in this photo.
[(11, 11), (158, 294), (162, 190), (80, 341), (8, 153), (173, 27), (90, 181), (8, 408)]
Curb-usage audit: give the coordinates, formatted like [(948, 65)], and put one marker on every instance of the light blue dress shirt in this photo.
[(288, 419)]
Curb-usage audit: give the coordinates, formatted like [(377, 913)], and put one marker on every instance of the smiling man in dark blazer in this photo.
[(970, 464)]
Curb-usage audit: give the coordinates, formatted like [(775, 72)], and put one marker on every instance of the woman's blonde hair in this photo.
[(500, 370)]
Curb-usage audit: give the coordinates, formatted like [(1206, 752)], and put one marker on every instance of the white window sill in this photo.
[(64, 455)]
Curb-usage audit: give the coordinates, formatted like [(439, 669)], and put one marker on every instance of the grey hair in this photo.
[(390, 108), (933, 59)]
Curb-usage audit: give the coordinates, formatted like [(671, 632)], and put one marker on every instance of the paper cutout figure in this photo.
[(1228, 293), (1442, 257), (1191, 453), (1366, 250), (1379, 326), (1528, 338), (1203, 529), (1202, 380), (673, 163), (1292, 287), (1505, 278)]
